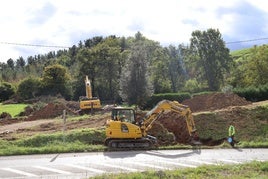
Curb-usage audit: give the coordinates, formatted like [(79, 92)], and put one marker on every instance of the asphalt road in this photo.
[(86, 165)]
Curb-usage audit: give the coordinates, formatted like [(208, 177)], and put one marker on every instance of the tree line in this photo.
[(132, 69)]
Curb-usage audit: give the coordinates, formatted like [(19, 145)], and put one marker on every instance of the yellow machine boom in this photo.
[(89, 103)]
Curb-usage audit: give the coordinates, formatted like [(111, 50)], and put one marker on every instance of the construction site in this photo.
[(212, 113)]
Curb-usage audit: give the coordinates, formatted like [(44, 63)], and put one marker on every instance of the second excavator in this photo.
[(124, 131), (89, 103)]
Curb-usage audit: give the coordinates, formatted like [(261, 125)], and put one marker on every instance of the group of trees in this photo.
[(134, 68)]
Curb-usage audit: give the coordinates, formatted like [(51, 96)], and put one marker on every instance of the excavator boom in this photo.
[(89, 103)]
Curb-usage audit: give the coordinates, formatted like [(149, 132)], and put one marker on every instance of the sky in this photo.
[(59, 24)]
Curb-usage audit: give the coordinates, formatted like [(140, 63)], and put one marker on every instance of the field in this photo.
[(12, 109)]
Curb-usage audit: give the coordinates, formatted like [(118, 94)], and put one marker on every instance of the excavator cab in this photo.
[(123, 115)]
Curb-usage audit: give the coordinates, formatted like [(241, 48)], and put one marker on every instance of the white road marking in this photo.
[(180, 164), (53, 170), (230, 161), (118, 166), (148, 165), (202, 162), (85, 168), (19, 172)]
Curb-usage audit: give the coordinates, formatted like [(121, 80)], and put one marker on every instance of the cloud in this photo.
[(41, 15), (65, 23)]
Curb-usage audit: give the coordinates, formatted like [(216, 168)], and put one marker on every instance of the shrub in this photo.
[(29, 88), (6, 91), (253, 93)]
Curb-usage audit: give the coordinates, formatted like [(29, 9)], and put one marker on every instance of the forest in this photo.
[(132, 69)]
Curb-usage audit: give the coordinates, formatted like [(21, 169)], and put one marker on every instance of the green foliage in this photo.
[(251, 67), (29, 88), (210, 57), (55, 81), (6, 91), (192, 86), (135, 82), (253, 93)]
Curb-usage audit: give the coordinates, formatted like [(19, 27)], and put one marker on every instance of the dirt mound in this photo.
[(170, 128), (51, 110), (214, 101)]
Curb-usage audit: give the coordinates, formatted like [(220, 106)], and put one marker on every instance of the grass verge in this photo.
[(83, 140), (253, 169)]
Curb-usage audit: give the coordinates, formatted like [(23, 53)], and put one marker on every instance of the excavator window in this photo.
[(123, 115)]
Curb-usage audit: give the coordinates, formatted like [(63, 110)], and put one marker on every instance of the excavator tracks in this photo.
[(122, 144)]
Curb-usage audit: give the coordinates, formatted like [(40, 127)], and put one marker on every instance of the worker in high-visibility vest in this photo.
[(231, 135)]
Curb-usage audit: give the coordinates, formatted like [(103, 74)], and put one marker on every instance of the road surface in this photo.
[(86, 165)]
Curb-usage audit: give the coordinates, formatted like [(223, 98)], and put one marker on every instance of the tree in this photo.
[(20, 63), (109, 56), (10, 63), (55, 81), (257, 66), (87, 66), (135, 83), (210, 57), (160, 75)]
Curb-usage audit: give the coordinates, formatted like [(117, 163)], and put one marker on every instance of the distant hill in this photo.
[(243, 53)]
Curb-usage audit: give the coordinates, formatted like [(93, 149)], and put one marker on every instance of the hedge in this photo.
[(253, 93)]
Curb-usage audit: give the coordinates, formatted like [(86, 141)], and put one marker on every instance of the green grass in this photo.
[(249, 170), (72, 141), (12, 109)]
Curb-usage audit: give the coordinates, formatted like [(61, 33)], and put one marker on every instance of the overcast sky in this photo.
[(170, 22)]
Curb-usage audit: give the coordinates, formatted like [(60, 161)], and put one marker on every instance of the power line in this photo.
[(59, 46), (250, 40), (34, 45)]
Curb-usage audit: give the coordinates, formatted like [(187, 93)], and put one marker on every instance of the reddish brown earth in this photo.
[(170, 127), (214, 101)]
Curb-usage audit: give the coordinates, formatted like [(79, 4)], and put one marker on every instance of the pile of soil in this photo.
[(176, 124), (214, 101), (51, 110)]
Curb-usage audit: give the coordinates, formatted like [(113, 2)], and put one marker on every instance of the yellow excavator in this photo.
[(88, 103), (124, 131)]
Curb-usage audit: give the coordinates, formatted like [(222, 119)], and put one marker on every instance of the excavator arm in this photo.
[(167, 106)]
